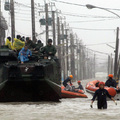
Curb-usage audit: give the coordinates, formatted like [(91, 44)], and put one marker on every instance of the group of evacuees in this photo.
[(25, 47), (101, 93)]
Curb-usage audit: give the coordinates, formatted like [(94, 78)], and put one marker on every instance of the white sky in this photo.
[(88, 37)]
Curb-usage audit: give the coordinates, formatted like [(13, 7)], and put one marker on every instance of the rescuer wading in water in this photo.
[(101, 95)]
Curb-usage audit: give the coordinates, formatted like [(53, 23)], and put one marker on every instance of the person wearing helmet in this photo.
[(65, 83), (111, 82), (101, 95), (49, 49), (37, 48), (80, 85), (29, 43), (38, 45)]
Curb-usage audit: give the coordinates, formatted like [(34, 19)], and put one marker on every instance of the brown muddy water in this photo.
[(66, 109)]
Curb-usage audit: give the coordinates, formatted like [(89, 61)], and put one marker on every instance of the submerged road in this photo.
[(67, 109)]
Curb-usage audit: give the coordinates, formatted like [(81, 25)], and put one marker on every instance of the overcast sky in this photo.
[(23, 24)]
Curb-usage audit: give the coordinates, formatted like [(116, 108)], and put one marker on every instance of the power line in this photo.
[(22, 4), (100, 20), (87, 16), (72, 14), (69, 3), (99, 52), (26, 5), (98, 44), (24, 11), (81, 5), (93, 29)]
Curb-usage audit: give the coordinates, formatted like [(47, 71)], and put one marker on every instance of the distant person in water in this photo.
[(101, 95), (80, 85), (110, 82), (65, 83), (24, 54)]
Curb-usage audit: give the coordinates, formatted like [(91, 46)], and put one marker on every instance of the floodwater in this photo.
[(67, 109)]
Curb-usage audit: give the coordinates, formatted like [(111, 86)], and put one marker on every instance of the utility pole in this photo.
[(94, 65), (116, 54), (84, 62), (46, 17), (80, 61), (12, 19), (67, 51), (109, 65), (87, 66), (77, 57), (54, 32), (72, 55), (63, 50), (0, 24), (58, 39), (33, 20), (111, 61)]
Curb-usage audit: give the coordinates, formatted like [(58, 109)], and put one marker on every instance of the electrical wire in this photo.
[(81, 5), (98, 44), (100, 20), (74, 27), (87, 16), (69, 3), (74, 14), (93, 29), (22, 4), (99, 52)]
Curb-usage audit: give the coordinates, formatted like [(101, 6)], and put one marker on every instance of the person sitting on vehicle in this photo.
[(111, 82), (24, 54), (30, 43), (18, 44), (49, 49), (38, 45), (65, 83), (8, 42), (101, 95), (23, 39), (80, 85)]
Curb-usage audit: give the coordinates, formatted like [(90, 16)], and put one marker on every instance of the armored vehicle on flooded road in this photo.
[(34, 81)]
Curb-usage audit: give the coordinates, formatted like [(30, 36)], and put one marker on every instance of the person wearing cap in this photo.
[(49, 49), (110, 82), (65, 83), (101, 95), (80, 85)]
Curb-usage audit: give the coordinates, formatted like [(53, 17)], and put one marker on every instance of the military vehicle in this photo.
[(33, 81)]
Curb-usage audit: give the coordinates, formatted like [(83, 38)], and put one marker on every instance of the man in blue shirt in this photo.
[(24, 54)]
